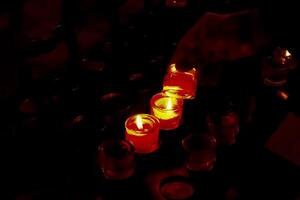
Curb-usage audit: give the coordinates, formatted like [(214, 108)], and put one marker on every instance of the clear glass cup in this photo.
[(224, 127), (113, 106), (116, 159), (200, 152)]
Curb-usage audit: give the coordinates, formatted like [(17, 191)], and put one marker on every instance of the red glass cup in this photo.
[(180, 84), (200, 152), (116, 159), (168, 110), (143, 131)]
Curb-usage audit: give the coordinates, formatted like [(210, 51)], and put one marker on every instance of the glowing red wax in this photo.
[(180, 84)]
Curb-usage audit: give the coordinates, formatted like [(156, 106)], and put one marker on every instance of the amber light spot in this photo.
[(283, 95), (194, 70)]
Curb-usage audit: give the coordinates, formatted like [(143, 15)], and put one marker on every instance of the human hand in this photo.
[(220, 37)]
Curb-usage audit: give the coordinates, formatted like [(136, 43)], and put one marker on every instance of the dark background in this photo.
[(45, 152)]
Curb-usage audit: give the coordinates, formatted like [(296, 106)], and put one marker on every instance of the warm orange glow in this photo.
[(194, 71), (169, 104), (139, 122), (283, 95), (168, 110)]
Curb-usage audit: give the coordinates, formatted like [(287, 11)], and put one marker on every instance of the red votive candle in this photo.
[(180, 84), (143, 131), (168, 110)]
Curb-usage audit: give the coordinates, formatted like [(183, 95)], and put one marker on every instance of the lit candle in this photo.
[(168, 110), (143, 131), (176, 3), (180, 84)]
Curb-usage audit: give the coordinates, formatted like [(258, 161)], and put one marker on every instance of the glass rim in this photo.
[(131, 148), (272, 83), (176, 179), (163, 95), (174, 93), (217, 117), (210, 138), (192, 70)]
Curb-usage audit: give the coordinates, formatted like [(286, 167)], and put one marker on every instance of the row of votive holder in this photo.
[(116, 157), (142, 130)]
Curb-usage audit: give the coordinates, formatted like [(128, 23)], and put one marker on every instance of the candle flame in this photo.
[(193, 71), (173, 68), (287, 53), (169, 104), (139, 122)]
